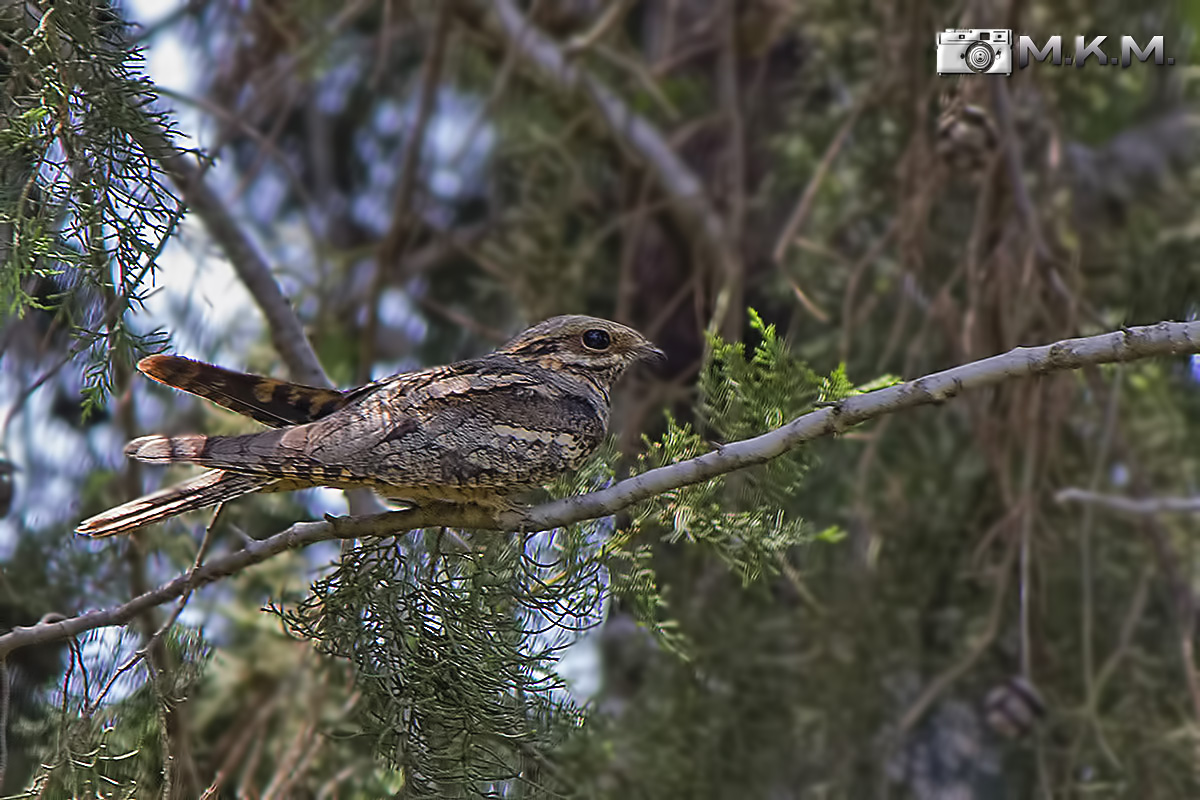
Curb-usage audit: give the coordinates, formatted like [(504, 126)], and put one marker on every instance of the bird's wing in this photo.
[(270, 401), (335, 450), (403, 383), (274, 402)]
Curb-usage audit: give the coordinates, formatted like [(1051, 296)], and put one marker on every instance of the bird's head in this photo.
[(592, 346)]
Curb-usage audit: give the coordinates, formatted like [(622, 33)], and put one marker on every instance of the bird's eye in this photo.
[(596, 339)]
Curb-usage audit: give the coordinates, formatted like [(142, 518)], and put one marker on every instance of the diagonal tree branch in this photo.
[(689, 200), (1131, 344), (287, 334)]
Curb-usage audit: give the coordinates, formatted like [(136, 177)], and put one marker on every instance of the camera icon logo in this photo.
[(962, 51)]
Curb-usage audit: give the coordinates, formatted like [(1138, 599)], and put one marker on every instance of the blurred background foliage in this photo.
[(424, 178)]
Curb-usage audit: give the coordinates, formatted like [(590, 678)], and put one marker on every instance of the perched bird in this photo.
[(475, 432)]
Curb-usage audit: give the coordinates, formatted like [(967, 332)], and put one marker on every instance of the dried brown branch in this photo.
[(1169, 561), (979, 646), (179, 772), (399, 233), (607, 21), (403, 228), (800, 214), (1165, 338)]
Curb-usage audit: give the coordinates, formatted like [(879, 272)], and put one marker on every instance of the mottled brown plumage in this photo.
[(476, 431)]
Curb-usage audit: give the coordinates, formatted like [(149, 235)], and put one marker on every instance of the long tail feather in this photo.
[(255, 455), (208, 489)]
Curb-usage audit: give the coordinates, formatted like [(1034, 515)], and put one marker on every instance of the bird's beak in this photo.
[(649, 352)]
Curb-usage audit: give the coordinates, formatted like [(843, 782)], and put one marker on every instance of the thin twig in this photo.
[(1029, 507), (627, 288), (431, 74), (1133, 618), (465, 321), (1086, 524), (849, 321), (1002, 104), (485, 112), (248, 734), (5, 699), (943, 681), (403, 228), (730, 99), (1169, 562), (612, 15), (800, 214), (1016, 175), (153, 640)]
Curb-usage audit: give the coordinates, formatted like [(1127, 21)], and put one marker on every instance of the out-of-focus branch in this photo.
[(1135, 506), (401, 232), (689, 200), (799, 215), (287, 334), (979, 646), (607, 21), (1165, 338)]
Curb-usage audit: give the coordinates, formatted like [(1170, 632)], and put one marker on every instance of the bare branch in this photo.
[(608, 20), (287, 334), (799, 216), (1165, 338), (1135, 506), (400, 232)]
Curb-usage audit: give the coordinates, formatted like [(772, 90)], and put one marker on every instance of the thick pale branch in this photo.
[(1165, 338)]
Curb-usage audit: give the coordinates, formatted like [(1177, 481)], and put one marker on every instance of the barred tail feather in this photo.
[(208, 489), (159, 449)]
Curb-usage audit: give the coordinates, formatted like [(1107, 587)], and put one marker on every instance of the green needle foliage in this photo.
[(84, 210), (449, 653), (106, 740), (749, 517), (455, 636)]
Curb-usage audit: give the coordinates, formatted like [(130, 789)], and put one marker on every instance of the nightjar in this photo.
[(476, 431)]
